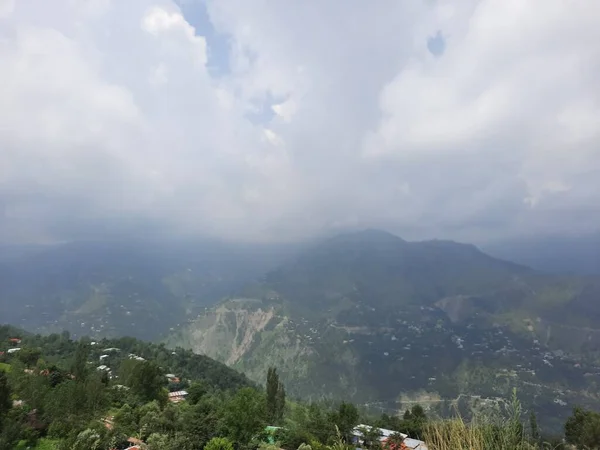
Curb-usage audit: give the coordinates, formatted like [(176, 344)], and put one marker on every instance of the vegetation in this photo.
[(65, 400), (365, 317)]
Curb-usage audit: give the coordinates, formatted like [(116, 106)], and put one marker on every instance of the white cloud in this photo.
[(109, 118)]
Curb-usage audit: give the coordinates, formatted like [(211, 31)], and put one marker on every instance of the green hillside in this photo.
[(62, 394), (385, 322), (133, 288)]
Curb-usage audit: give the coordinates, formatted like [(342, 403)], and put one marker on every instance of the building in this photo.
[(384, 434), (407, 443), (414, 444), (13, 350), (177, 396)]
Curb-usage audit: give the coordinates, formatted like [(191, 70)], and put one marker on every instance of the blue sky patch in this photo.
[(436, 44)]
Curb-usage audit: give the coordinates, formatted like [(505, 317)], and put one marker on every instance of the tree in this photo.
[(202, 420), (218, 443), (195, 392), (280, 403), (126, 420), (145, 380), (29, 356), (371, 437), (345, 418), (533, 427), (5, 403), (89, 439), (275, 397), (245, 415), (79, 366), (582, 429)]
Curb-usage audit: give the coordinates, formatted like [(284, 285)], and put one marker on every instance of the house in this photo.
[(177, 396), (414, 444), (406, 444), (384, 435), (358, 431), (137, 443), (15, 341), (13, 350), (108, 422)]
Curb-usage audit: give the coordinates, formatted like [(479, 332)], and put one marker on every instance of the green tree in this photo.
[(345, 418), (126, 420), (582, 429), (245, 415), (79, 365), (275, 397), (89, 439), (5, 402), (29, 356), (219, 443), (146, 380), (414, 422), (533, 427), (196, 391), (202, 420)]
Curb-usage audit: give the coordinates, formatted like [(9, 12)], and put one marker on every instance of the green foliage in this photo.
[(29, 356), (345, 419), (533, 427), (145, 379), (218, 443), (5, 401), (245, 415), (583, 429), (68, 410), (79, 367), (196, 391), (275, 401)]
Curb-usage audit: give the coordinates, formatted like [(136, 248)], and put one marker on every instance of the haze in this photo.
[(278, 121)]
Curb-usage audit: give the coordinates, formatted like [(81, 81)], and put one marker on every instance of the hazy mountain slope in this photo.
[(370, 316), (556, 254), (124, 288)]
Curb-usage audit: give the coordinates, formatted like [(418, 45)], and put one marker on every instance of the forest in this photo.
[(60, 394)]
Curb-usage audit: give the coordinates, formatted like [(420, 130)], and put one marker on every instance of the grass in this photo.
[(42, 444), (458, 435), (5, 367), (499, 432)]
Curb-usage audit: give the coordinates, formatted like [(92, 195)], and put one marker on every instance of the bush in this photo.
[(219, 444)]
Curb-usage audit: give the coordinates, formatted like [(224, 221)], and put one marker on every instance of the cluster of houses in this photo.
[(390, 439)]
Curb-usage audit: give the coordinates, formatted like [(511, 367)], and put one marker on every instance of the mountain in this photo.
[(118, 288), (385, 322), (555, 254)]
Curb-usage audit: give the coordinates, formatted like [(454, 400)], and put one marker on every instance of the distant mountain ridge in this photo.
[(118, 288), (379, 319)]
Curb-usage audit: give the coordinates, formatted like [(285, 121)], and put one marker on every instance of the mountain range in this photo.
[(118, 288), (365, 316), (386, 322)]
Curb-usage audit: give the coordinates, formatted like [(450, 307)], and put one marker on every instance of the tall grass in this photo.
[(501, 431)]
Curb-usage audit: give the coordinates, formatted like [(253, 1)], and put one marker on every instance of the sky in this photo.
[(273, 120)]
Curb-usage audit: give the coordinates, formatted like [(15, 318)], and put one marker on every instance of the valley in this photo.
[(364, 316)]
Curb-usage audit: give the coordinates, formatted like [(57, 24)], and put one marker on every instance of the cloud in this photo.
[(124, 117)]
